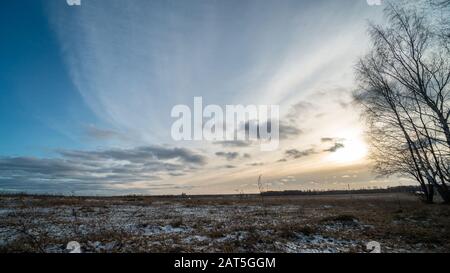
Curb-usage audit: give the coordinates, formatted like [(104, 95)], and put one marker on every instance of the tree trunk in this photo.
[(429, 194), (445, 194)]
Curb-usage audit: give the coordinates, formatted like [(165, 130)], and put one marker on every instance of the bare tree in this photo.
[(405, 93), (261, 194)]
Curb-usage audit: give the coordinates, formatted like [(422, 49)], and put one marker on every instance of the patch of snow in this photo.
[(316, 244), (155, 230)]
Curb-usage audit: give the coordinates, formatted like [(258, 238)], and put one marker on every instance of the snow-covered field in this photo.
[(306, 224)]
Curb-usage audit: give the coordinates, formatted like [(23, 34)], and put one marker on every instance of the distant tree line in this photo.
[(398, 189)]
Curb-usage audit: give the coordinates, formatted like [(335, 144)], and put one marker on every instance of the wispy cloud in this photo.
[(234, 143), (228, 155), (133, 60), (97, 133), (294, 153)]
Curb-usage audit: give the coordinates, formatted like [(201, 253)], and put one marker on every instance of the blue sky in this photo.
[(86, 93), (37, 100)]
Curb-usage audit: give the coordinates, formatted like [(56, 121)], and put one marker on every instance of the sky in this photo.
[(86, 94)]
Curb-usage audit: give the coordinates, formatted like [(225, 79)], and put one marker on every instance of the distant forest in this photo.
[(398, 189)]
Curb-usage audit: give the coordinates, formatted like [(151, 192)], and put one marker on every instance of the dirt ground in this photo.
[(300, 224)]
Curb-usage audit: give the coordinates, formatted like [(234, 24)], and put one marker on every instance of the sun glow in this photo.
[(353, 150)]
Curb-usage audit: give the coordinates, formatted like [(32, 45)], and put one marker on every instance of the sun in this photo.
[(354, 149)]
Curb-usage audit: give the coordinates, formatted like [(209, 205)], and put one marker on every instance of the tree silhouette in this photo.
[(405, 93)]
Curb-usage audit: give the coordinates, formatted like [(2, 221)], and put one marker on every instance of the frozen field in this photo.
[(341, 223)]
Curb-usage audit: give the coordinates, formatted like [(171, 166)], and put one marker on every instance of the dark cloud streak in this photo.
[(294, 153), (97, 169), (334, 148)]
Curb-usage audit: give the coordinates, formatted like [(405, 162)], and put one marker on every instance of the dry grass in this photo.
[(337, 223)]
